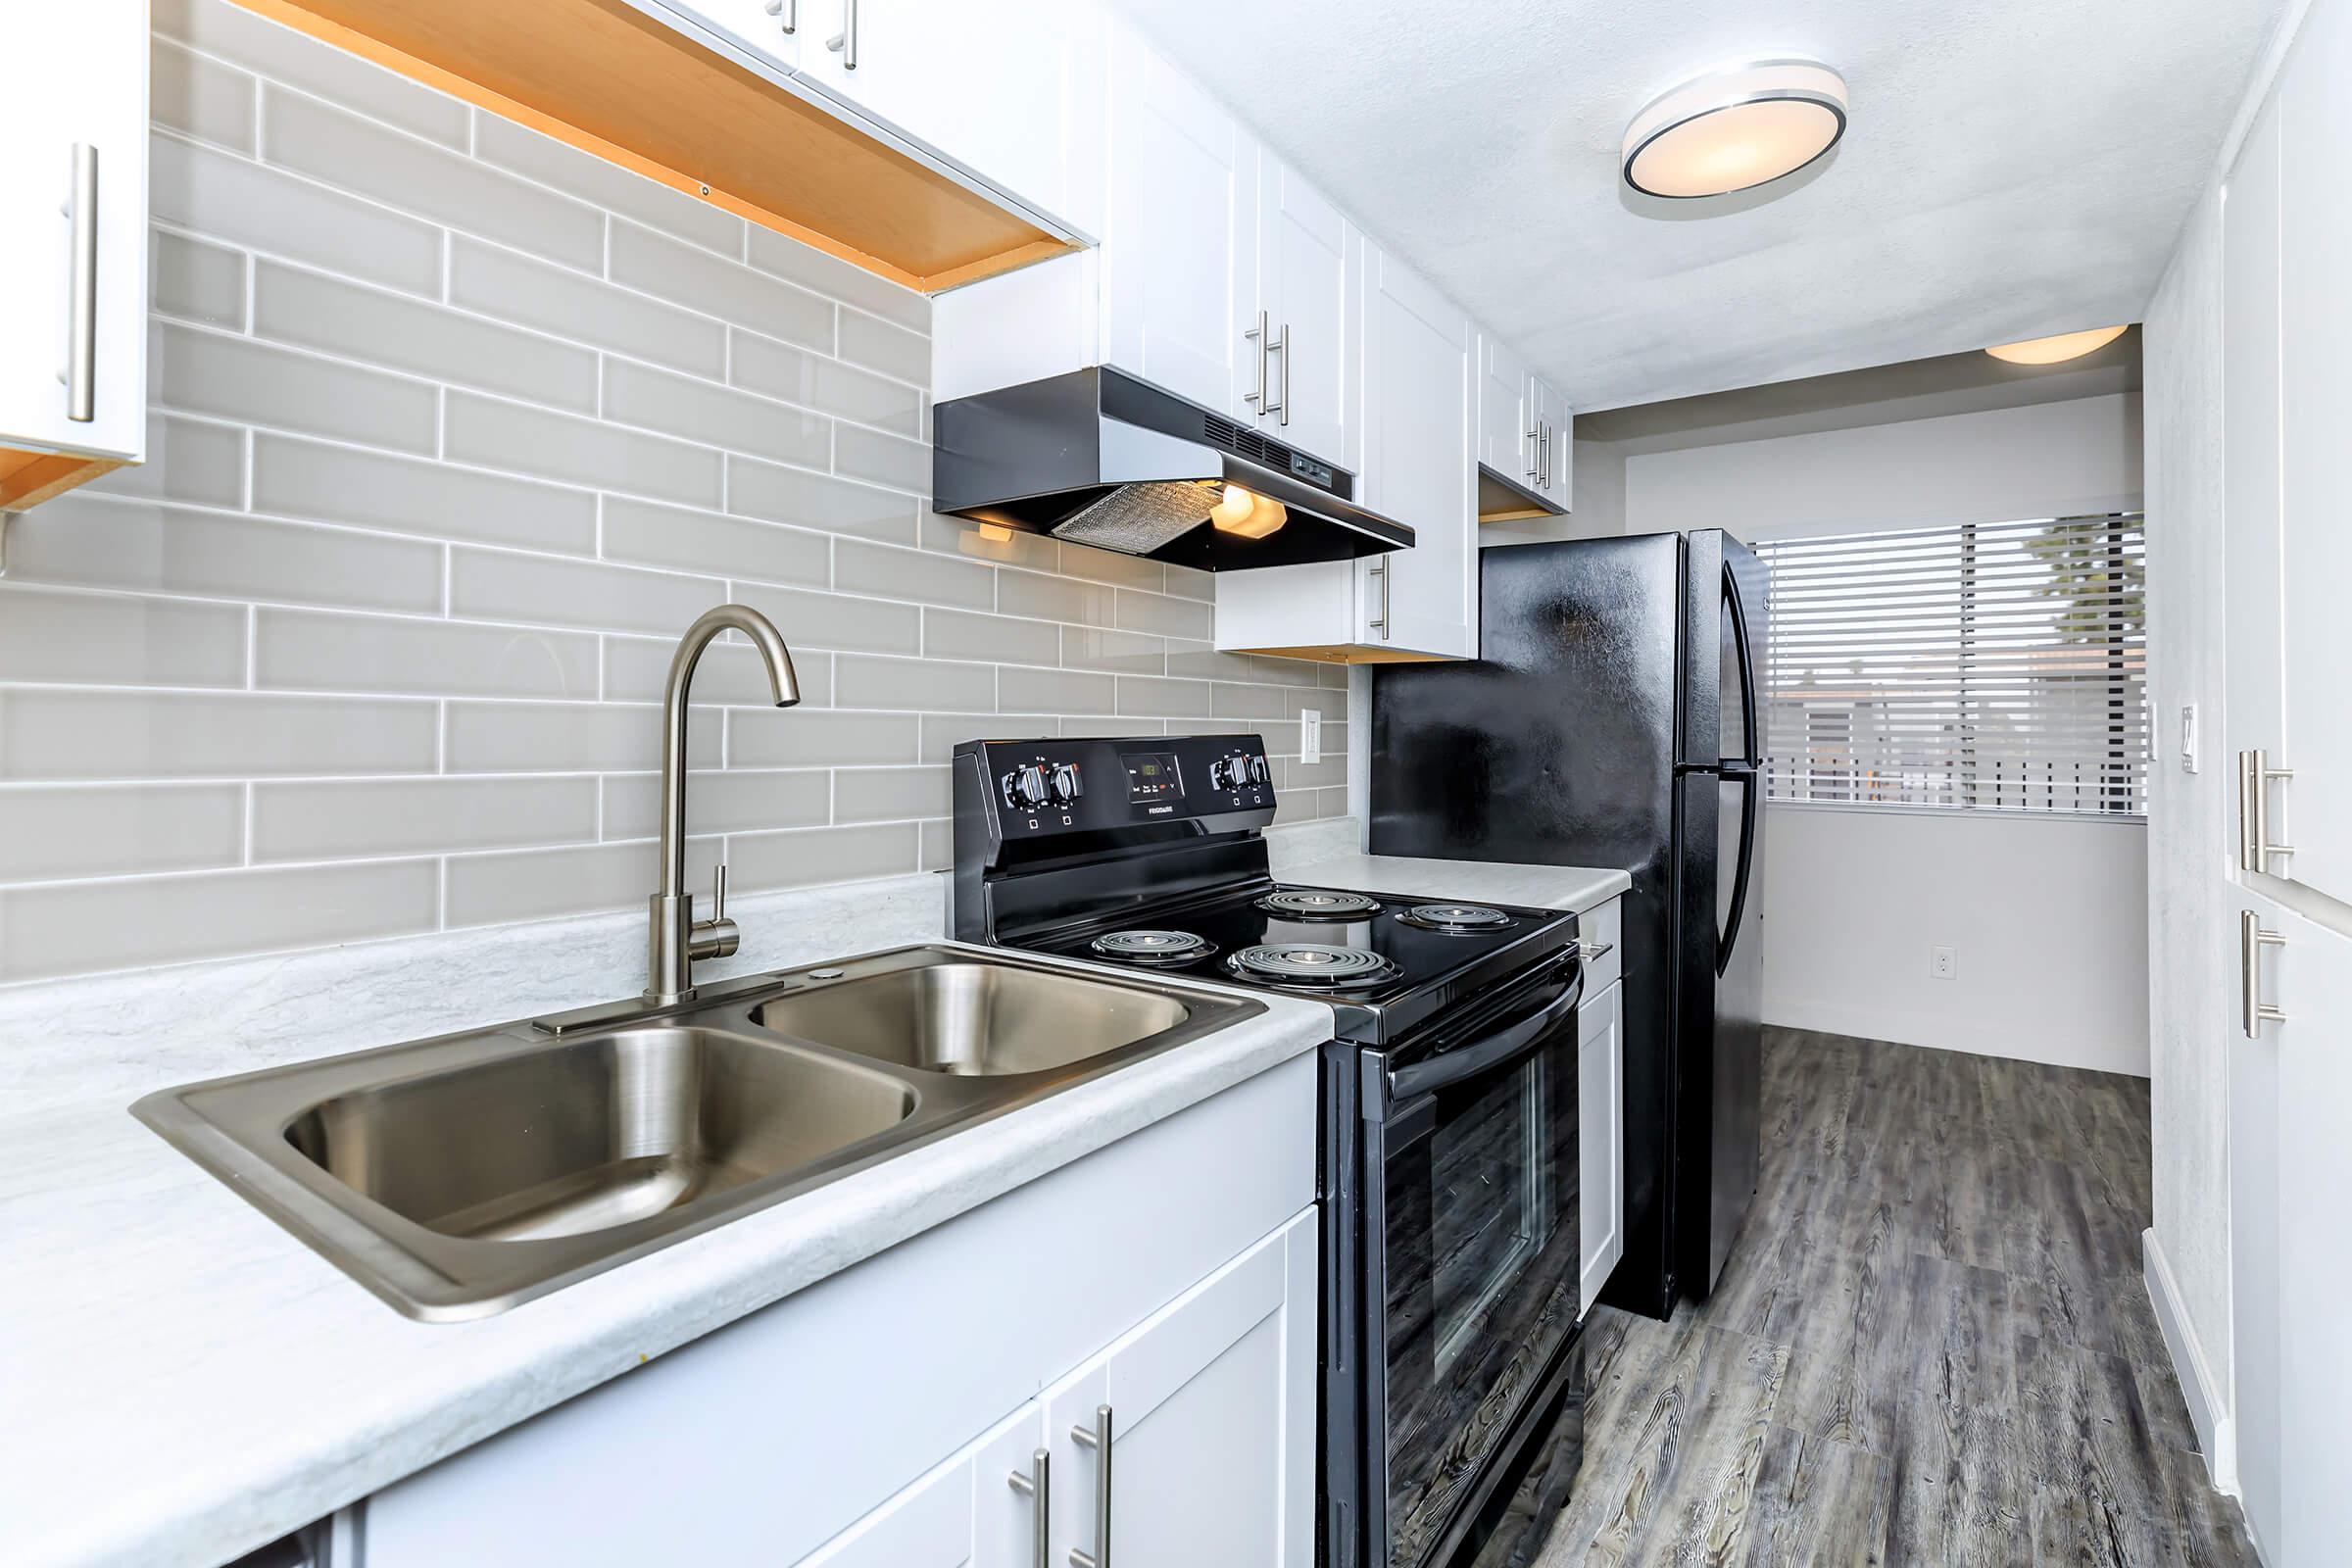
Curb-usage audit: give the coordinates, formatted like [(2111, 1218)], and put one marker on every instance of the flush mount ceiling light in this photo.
[(1734, 129), (2055, 350)]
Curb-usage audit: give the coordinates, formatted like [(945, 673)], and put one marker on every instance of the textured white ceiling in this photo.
[(2013, 168)]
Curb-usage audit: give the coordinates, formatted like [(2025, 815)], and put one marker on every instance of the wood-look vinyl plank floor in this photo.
[(1931, 1344)]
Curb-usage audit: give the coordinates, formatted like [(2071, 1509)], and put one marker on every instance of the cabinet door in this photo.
[(1600, 1109), (1418, 465), (2316, 481), (1550, 421), (965, 1514), (989, 85), (1180, 242), (1307, 254), (1211, 1407), (1505, 420), (80, 82), (2253, 719)]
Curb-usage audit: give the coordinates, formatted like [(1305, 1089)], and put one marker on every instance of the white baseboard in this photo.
[(2216, 1430)]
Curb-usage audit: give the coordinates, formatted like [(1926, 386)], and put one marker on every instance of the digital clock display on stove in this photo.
[(1151, 776)]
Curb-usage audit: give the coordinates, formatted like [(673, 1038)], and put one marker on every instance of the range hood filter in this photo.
[(1139, 519)]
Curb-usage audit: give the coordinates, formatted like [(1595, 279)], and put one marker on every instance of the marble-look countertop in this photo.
[(1575, 888), (182, 1380)]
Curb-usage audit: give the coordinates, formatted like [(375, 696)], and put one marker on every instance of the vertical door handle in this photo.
[(1037, 1487), (2251, 940), (81, 352), (2255, 776), (1535, 437), (1257, 335), (1281, 345), (1097, 1438), (845, 42), (789, 9), (1379, 622), (1546, 453)]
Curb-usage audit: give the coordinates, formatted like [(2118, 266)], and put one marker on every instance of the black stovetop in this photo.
[(1420, 972)]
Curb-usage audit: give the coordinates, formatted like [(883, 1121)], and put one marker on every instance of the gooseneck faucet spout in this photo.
[(674, 939)]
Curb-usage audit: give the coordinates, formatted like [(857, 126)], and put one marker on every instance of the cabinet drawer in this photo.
[(1599, 927)]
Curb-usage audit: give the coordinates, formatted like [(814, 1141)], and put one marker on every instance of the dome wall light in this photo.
[(2056, 350), (1733, 129)]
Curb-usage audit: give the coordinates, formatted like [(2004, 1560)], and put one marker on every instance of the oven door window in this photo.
[(1479, 1200)]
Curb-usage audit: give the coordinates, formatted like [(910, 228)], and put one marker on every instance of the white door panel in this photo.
[(1600, 1109), (1306, 252), (1418, 465)]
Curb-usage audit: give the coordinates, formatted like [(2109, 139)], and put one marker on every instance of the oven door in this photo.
[(1471, 1257)]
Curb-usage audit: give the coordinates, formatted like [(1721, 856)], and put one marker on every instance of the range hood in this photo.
[(1098, 458)]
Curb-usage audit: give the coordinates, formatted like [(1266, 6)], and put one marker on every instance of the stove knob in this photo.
[(1220, 775), (1258, 771), (1067, 785), (1025, 788)]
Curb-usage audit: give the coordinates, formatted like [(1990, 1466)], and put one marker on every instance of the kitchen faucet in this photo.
[(673, 937)]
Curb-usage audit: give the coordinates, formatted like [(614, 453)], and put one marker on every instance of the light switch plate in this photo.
[(1310, 735)]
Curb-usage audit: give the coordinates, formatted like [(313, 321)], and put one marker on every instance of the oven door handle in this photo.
[(1495, 1050)]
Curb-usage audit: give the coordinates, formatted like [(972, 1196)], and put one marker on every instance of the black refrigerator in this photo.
[(1611, 720)]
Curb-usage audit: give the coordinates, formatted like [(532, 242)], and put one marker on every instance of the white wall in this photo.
[(2049, 916), (2052, 960)]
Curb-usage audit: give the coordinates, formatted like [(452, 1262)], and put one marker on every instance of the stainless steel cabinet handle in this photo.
[(1282, 344), (2255, 776), (789, 9), (845, 42), (1097, 1438), (1545, 462), (1589, 951), (1535, 436), (1379, 622), (81, 362), (2251, 940), (1039, 1490), (1258, 336)]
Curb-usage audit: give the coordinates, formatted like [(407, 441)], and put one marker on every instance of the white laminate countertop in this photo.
[(184, 1381), (1575, 888)]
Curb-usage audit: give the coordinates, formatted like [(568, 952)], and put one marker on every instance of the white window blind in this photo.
[(1993, 666)]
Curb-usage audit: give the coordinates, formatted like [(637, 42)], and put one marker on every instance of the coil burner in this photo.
[(1153, 946), (1296, 964), (1319, 903), (1453, 917)]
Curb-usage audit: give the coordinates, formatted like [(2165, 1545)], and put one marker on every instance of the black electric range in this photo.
[(1452, 1401)]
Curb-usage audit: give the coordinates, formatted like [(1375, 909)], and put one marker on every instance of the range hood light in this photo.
[(1247, 513), (2056, 350)]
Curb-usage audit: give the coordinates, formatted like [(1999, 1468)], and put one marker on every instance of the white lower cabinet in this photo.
[(1600, 1109), (875, 1417)]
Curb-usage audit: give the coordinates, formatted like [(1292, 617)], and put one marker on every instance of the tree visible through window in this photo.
[(1989, 667)]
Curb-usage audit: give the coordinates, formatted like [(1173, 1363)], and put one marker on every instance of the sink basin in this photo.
[(582, 1135), (974, 1019), (459, 1176)]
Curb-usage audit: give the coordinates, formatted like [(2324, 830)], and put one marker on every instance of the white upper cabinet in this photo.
[(1306, 264), (1551, 425), (74, 211), (1522, 435), (994, 87), (1179, 257)]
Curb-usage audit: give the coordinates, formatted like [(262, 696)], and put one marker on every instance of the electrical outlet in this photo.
[(1944, 964), (1310, 735)]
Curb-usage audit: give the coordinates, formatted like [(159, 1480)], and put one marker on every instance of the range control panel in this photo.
[(1040, 787)]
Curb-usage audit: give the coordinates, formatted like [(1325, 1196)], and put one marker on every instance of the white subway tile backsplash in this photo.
[(197, 372), (119, 639), (715, 415), (59, 733), (315, 138), (573, 450), (452, 429), (46, 930), (332, 820), (50, 832), (105, 542), (228, 199), (398, 332), (513, 287), (321, 650), (299, 478), (693, 277)]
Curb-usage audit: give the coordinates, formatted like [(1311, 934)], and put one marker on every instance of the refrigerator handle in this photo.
[(1750, 793), (1747, 672)]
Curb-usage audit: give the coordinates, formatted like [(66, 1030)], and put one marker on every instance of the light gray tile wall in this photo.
[(453, 429)]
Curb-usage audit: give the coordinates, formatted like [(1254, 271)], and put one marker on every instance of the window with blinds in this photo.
[(1989, 667)]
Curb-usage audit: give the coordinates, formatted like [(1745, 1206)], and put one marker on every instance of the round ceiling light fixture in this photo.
[(2056, 350), (1734, 129)]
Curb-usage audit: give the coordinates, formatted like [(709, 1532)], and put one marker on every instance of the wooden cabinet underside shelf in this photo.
[(615, 82), (27, 478)]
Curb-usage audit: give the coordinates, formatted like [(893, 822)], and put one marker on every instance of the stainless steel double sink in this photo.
[(458, 1176)]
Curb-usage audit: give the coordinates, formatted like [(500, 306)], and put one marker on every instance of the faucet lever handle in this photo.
[(718, 891)]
